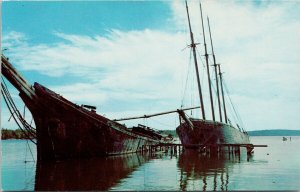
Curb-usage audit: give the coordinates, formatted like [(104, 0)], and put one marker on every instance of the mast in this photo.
[(215, 66), (193, 46), (208, 74), (224, 107)]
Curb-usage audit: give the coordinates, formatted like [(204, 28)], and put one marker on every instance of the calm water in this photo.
[(274, 168)]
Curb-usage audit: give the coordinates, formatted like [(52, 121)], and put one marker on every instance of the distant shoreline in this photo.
[(275, 132), (19, 134), (12, 134)]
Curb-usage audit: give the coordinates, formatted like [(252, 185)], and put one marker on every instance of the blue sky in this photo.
[(130, 58), (40, 19)]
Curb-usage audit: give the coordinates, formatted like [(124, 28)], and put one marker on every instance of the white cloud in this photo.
[(256, 45), (143, 67)]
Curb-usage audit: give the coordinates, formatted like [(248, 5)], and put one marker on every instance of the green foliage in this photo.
[(12, 134), (169, 132)]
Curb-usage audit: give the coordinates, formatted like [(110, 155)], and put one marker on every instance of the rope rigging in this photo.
[(239, 120), (28, 146), (236, 116), (233, 109), (186, 81), (26, 128)]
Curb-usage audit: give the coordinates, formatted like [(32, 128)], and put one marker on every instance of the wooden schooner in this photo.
[(203, 132)]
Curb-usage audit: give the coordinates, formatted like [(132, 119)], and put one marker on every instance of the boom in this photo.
[(155, 114)]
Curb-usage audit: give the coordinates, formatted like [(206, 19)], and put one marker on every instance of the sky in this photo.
[(130, 58)]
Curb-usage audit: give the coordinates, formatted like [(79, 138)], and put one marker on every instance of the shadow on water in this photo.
[(86, 174), (211, 171)]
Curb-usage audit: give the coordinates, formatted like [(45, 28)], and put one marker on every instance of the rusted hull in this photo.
[(65, 130), (209, 133)]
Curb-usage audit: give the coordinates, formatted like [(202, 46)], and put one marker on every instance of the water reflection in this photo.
[(86, 174), (212, 172)]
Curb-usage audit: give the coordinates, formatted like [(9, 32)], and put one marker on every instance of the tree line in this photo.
[(12, 134)]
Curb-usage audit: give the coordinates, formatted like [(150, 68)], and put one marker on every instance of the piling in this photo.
[(209, 149)]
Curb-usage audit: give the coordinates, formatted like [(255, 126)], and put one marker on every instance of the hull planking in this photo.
[(210, 133)]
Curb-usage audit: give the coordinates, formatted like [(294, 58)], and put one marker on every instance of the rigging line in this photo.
[(30, 150), (187, 77), (24, 112), (15, 110), (215, 94), (9, 108), (209, 58), (193, 92), (236, 113), (213, 86), (199, 56), (203, 65), (235, 119), (4, 86), (15, 113), (27, 139), (25, 154), (231, 112), (10, 117), (9, 99)]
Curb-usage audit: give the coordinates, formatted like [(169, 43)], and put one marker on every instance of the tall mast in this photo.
[(208, 74), (215, 66), (221, 83), (193, 46)]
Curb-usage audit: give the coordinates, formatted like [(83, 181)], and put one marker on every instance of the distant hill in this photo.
[(275, 132)]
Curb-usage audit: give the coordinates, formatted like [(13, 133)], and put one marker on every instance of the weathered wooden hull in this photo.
[(209, 133), (66, 130)]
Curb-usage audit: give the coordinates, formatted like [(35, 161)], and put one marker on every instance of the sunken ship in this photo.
[(195, 133), (66, 130)]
